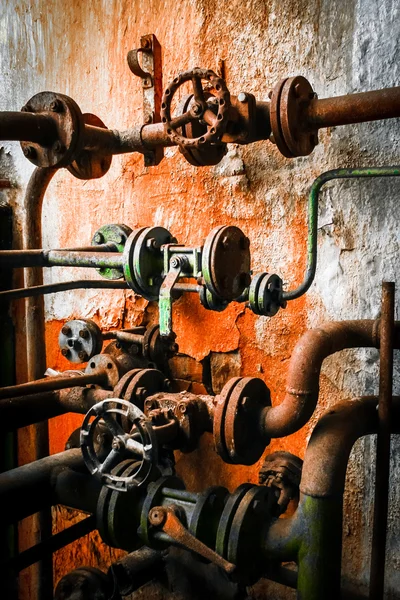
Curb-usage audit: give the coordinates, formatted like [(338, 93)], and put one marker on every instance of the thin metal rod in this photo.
[(62, 286), (52, 383), (378, 555), (51, 545), (60, 258), (312, 236)]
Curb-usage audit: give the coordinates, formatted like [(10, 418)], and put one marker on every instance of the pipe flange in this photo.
[(138, 384), (250, 521), (289, 100), (226, 520), (123, 443), (216, 123), (266, 294), (79, 340), (295, 96), (226, 262), (115, 519), (89, 164), (154, 497), (105, 363), (143, 260), (207, 513), (69, 127), (238, 436), (211, 302), (117, 235)]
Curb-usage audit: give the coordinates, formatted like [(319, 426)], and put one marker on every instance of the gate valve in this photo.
[(265, 294), (165, 518), (213, 114), (154, 263), (140, 442)]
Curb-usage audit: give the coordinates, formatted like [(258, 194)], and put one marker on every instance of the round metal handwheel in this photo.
[(141, 442), (216, 120)]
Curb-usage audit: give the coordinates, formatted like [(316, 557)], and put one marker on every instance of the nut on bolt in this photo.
[(65, 351), (83, 356), (84, 334), (157, 516), (242, 97), (66, 330)]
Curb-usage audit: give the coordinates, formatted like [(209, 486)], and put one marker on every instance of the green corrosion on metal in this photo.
[(313, 216)]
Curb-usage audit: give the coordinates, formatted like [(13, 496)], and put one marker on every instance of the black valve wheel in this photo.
[(140, 442), (216, 120)]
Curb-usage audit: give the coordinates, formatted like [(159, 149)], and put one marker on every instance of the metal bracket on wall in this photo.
[(150, 72)]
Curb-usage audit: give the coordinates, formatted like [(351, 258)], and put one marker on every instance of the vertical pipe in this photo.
[(42, 573), (377, 579)]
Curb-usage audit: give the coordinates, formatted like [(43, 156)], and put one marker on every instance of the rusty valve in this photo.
[(213, 114), (165, 518)]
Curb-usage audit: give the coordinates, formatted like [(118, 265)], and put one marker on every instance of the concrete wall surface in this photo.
[(80, 48)]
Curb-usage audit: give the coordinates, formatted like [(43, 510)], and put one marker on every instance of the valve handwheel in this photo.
[(140, 442), (216, 122)]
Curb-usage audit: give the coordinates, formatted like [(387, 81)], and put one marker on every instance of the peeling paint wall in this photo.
[(79, 48)]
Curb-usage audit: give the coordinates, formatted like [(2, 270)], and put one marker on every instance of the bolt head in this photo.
[(98, 238), (84, 334), (83, 356), (30, 152), (175, 262), (66, 330), (242, 97), (152, 244), (56, 105), (64, 351), (197, 109)]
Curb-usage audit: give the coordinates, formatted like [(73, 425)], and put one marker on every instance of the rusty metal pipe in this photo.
[(313, 535), (378, 555), (53, 383), (58, 479), (36, 356), (136, 139), (32, 408), (302, 386), (354, 108), (60, 258), (28, 127)]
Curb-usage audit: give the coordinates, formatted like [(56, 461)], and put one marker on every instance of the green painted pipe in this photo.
[(313, 216)]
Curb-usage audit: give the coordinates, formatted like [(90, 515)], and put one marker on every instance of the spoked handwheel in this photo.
[(140, 443), (213, 114)]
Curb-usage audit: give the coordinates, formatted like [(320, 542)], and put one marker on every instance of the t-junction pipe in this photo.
[(313, 536), (302, 387)]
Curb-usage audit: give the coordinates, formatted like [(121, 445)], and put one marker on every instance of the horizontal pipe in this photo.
[(354, 108), (136, 139), (27, 489), (302, 387), (62, 286), (60, 258), (27, 127), (49, 546), (26, 410), (53, 383)]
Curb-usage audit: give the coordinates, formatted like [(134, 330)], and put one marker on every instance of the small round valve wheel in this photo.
[(226, 262), (80, 340), (216, 119), (238, 435), (143, 260), (140, 442), (265, 294), (117, 236)]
